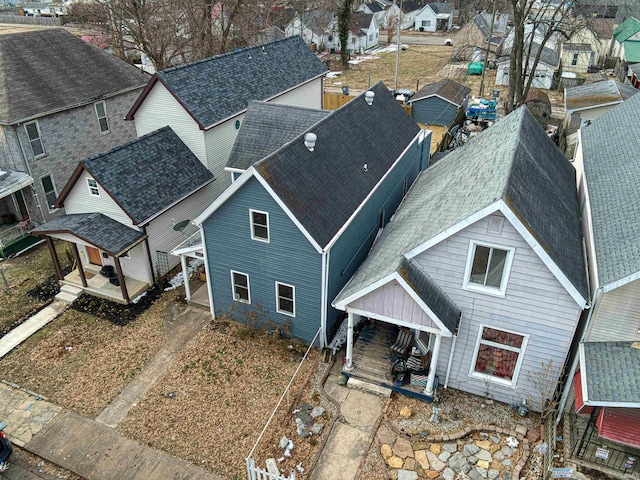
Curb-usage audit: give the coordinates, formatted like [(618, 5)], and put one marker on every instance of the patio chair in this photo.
[(401, 346)]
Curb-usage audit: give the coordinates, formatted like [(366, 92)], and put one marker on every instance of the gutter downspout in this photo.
[(453, 348), (323, 298), (212, 308)]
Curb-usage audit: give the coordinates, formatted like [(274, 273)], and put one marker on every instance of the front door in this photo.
[(22, 205), (94, 255)]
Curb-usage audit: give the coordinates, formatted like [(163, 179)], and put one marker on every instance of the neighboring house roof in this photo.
[(612, 372), (603, 27), (361, 20), (48, 70), (408, 6), (631, 51), (214, 89), (431, 294), (12, 181), (440, 8), (513, 161), (610, 146), (635, 69), (449, 90), (36, 5), (483, 21), (626, 29), (318, 20), (537, 94), (97, 229), (145, 176), (375, 7), (578, 47), (595, 94), (548, 55), (356, 147), (267, 127)]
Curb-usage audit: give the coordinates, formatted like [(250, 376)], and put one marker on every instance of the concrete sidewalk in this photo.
[(83, 446)]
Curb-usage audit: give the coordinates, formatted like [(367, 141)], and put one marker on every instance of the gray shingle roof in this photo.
[(548, 55), (431, 294), (360, 20), (598, 93), (612, 371), (611, 146), (447, 89), (47, 70), (375, 7), (267, 127), (99, 230), (218, 87), (149, 174), (513, 160), (324, 188), (439, 7), (483, 21)]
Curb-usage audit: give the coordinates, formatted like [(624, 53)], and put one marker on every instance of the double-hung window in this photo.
[(488, 268), (286, 299), (49, 191), (498, 355), (94, 190), (35, 139), (259, 225), (101, 113), (240, 287)]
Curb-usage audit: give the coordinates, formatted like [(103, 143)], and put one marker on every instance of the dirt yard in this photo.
[(24, 273)]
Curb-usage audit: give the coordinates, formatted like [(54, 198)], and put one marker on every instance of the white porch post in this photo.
[(185, 276), (432, 367), (349, 359)]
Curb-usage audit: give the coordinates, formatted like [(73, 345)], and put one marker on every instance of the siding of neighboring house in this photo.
[(71, 136), (543, 75), (536, 304), (148, 119), (227, 231), (308, 95), (218, 143), (618, 315), (353, 246), (162, 236), (426, 15), (434, 111), (584, 59), (80, 200)]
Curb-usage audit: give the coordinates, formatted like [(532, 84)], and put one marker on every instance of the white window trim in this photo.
[(492, 220), (55, 190), (290, 314), (44, 151), (233, 288), (496, 292), (516, 371), (106, 117), (253, 237), (97, 187)]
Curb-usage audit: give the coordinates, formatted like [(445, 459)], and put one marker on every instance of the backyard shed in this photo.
[(439, 103)]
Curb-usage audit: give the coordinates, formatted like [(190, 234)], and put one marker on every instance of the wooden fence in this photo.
[(333, 101), (20, 20)]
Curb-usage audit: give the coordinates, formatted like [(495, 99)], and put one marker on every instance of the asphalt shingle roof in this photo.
[(447, 89), (375, 7), (149, 174), (47, 70), (513, 160), (610, 147), (267, 127), (548, 55), (598, 93), (612, 370), (439, 7), (105, 233), (218, 87), (324, 188), (431, 294)]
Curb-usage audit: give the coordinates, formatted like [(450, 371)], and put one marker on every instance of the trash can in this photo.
[(345, 89)]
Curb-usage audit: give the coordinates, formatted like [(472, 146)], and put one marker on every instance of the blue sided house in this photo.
[(286, 236)]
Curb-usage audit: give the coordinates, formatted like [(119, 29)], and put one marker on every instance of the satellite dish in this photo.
[(180, 226)]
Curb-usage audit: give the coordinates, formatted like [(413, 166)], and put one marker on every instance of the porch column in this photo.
[(76, 255), (123, 286), (349, 357), (185, 276), (54, 257), (432, 367)]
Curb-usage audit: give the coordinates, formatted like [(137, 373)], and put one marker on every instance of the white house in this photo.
[(204, 102), (314, 26), (544, 72), (434, 16)]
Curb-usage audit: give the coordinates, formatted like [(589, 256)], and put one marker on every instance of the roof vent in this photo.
[(248, 55), (310, 141), (264, 52), (369, 97), (365, 167)]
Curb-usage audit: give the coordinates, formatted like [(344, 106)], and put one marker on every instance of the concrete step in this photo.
[(66, 297), (71, 289), (369, 387)]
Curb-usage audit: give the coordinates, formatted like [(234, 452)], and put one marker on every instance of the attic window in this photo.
[(94, 190), (495, 224), (259, 225)]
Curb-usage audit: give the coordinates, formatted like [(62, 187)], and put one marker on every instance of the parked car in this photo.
[(5, 449)]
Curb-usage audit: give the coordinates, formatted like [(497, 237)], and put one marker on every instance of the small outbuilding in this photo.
[(439, 103)]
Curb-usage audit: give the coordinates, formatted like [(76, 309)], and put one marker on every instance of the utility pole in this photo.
[(486, 54)]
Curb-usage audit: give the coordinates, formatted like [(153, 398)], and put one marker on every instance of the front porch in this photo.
[(372, 362), (100, 286)]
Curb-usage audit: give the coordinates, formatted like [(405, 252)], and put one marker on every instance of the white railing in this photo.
[(14, 233), (257, 473)]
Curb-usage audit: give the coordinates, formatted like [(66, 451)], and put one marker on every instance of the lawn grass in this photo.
[(24, 273)]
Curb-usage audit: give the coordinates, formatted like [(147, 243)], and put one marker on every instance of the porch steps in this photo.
[(369, 387), (69, 293)]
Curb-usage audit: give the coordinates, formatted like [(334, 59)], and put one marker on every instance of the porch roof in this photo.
[(12, 181), (96, 229), (612, 372)]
